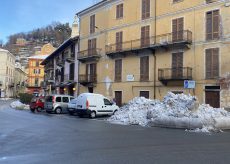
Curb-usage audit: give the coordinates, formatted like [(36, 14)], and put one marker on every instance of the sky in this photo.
[(25, 15)]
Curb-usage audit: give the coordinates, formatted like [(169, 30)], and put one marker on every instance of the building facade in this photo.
[(61, 69), (36, 71), (20, 80), (7, 66), (154, 48)]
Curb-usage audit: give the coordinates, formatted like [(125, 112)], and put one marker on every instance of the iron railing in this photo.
[(87, 78), (180, 73), (95, 52), (153, 42)]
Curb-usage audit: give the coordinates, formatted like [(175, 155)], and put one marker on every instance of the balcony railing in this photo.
[(154, 42), (90, 54), (174, 74), (85, 79), (70, 57), (68, 78), (49, 67)]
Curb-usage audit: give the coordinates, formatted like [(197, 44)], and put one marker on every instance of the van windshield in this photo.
[(49, 99)]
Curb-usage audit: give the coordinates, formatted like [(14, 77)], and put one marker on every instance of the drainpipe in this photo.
[(78, 63), (154, 55)]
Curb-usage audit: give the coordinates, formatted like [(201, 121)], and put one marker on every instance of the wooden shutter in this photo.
[(118, 70), (144, 68), (119, 11), (177, 65), (177, 29), (92, 45), (212, 25), (145, 39), (212, 63), (119, 40), (92, 24), (145, 9)]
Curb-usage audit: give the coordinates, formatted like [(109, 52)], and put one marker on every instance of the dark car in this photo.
[(37, 103)]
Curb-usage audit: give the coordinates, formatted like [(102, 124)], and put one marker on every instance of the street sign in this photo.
[(130, 78), (189, 84)]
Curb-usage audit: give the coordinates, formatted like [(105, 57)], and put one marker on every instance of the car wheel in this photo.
[(80, 115), (71, 113), (39, 109), (32, 110), (92, 114), (58, 110)]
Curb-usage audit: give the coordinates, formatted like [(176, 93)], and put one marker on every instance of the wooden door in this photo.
[(177, 65), (119, 40), (145, 39), (118, 98), (212, 98), (144, 94), (177, 29)]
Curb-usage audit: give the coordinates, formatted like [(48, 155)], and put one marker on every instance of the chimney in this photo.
[(75, 30)]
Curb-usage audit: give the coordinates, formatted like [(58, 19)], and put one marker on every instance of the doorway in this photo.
[(118, 98), (212, 96)]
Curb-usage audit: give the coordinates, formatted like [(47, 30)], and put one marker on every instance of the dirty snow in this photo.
[(18, 105), (174, 111)]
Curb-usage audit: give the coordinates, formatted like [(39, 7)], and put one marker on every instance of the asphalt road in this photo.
[(27, 138)]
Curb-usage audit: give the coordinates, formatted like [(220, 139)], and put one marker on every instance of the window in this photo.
[(91, 71), (92, 45), (212, 63), (118, 70), (176, 1), (36, 81), (107, 102), (37, 71), (37, 63), (144, 94), (119, 13), (177, 29), (177, 65), (145, 32), (92, 24), (119, 40), (145, 9), (212, 25), (144, 68), (65, 99), (58, 99)]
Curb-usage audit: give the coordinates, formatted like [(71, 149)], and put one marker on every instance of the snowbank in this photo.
[(175, 111), (19, 105)]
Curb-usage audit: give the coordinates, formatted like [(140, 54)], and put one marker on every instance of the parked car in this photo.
[(93, 105), (37, 103), (72, 106), (57, 103)]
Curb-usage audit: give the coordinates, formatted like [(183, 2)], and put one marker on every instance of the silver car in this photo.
[(57, 103)]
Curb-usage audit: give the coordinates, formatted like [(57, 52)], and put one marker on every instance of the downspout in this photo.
[(154, 53), (78, 63)]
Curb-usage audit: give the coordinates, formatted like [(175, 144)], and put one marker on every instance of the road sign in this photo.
[(189, 84)]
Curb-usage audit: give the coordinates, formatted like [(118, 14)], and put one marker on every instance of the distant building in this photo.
[(7, 66), (20, 79), (36, 71)]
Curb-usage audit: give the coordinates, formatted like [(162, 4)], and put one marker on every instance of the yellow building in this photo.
[(36, 71), (147, 48)]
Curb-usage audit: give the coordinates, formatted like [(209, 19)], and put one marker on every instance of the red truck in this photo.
[(37, 103)]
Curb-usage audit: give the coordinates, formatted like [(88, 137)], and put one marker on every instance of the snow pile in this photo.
[(19, 105), (134, 112), (175, 111)]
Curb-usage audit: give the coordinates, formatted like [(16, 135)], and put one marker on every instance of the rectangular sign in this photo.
[(130, 78), (189, 84)]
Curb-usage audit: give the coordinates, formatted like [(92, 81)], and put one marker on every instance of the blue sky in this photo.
[(25, 15)]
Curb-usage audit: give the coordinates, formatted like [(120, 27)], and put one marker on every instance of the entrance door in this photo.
[(212, 96), (144, 94), (118, 98), (90, 89)]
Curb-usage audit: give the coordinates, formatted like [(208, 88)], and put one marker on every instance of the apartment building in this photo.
[(7, 66), (20, 79), (147, 48), (36, 71)]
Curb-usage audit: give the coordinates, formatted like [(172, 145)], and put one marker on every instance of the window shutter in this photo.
[(208, 59), (215, 64), (216, 23)]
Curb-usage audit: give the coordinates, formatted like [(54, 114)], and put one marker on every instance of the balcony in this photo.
[(69, 78), (175, 39), (89, 55), (87, 79), (70, 58), (60, 63), (49, 67), (166, 75)]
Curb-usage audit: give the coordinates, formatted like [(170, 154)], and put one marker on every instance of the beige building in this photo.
[(147, 48), (20, 79), (7, 66)]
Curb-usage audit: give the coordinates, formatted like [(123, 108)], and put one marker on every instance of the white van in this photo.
[(94, 104)]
